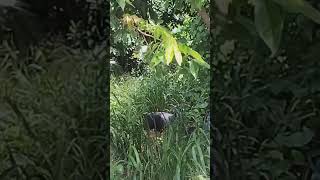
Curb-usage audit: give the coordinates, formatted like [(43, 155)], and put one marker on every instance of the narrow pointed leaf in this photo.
[(300, 6), (169, 53), (122, 3), (177, 54), (269, 20), (197, 57), (129, 2), (194, 69)]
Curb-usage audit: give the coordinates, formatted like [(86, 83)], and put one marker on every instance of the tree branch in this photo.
[(145, 34)]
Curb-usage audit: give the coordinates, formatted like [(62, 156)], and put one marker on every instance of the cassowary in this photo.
[(157, 121)]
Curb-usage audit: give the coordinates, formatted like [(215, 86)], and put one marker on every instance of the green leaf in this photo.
[(177, 53), (300, 6), (172, 48), (202, 105), (194, 69), (297, 139), (197, 57), (298, 157), (169, 53), (269, 20), (156, 60), (122, 4), (279, 168), (129, 2), (274, 154), (157, 31)]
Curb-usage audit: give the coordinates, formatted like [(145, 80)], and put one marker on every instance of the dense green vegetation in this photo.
[(264, 91), (266, 87), (52, 119), (171, 74), (175, 154)]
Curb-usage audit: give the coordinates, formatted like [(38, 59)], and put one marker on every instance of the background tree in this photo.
[(265, 87)]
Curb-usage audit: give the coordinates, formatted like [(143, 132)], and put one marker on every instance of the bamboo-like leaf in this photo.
[(197, 57), (169, 50), (194, 69), (177, 53), (300, 6), (129, 2), (269, 20), (122, 3)]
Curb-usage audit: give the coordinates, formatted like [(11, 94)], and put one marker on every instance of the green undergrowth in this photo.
[(51, 115), (174, 154)]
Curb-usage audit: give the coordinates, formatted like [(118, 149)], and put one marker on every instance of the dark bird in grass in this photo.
[(158, 121)]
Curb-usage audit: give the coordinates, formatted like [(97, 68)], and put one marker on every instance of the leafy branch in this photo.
[(170, 46)]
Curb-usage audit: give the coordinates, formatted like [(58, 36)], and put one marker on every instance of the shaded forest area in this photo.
[(266, 88), (53, 92)]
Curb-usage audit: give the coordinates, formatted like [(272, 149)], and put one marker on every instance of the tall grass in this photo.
[(175, 154), (50, 115)]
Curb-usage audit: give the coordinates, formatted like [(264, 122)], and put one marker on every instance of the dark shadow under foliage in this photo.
[(267, 109), (53, 87)]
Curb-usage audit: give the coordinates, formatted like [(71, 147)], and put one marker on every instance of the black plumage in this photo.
[(157, 121)]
